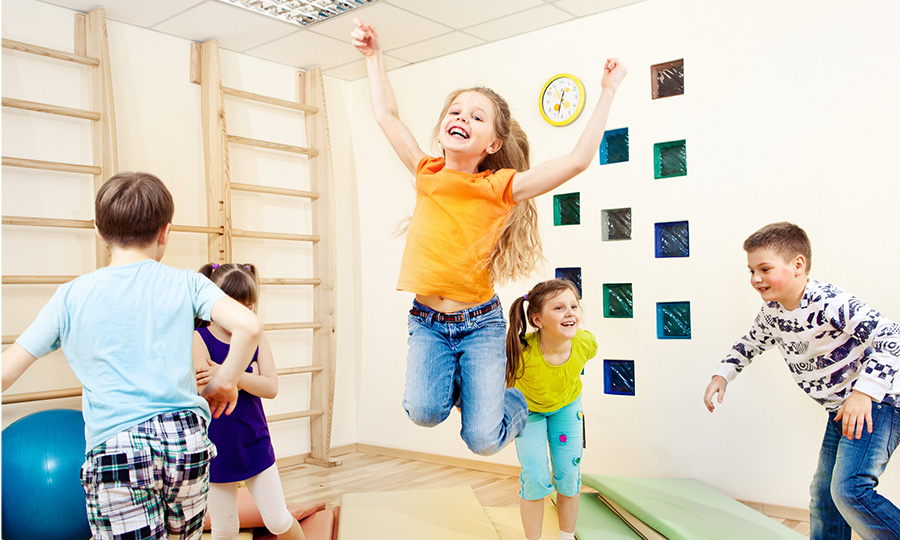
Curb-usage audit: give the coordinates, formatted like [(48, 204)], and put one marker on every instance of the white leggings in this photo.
[(266, 490)]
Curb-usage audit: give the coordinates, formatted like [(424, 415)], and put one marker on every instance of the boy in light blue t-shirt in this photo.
[(126, 331)]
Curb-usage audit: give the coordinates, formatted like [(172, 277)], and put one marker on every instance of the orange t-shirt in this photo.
[(455, 224)]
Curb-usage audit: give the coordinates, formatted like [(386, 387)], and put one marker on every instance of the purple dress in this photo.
[(241, 438)]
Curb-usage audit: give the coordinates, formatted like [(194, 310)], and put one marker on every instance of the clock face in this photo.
[(562, 99)]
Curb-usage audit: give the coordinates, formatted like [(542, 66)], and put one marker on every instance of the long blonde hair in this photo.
[(518, 250)]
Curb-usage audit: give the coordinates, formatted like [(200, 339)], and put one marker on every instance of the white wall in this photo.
[(789, 113), (158, 121)]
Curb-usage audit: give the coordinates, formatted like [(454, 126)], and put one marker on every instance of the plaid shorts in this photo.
[(150, 481)]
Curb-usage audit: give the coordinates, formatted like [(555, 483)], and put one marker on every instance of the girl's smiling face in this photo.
[(468, 125), (560, 316)]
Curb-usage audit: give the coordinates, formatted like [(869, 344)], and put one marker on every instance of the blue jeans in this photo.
[(460, 358), (843, 487), (563, 430)]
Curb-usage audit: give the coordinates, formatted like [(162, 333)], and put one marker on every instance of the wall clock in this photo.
[(562, 99)]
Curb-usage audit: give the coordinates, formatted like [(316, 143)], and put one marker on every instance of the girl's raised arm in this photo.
[(554, 172), (384, 103)]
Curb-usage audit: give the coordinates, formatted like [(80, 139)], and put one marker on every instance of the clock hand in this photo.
[(559, 108)]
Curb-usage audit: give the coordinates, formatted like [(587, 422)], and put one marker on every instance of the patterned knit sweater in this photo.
[(833, 343)]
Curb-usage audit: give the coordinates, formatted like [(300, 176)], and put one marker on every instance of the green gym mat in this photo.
[(687, 509), (597, 522)]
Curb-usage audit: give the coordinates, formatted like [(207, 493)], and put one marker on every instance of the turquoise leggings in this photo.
[(562, 429)]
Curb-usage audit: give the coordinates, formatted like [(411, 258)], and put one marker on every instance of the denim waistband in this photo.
[(456, 316)]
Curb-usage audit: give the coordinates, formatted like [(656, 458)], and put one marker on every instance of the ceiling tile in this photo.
[(236, 29), (357, 69), (439, 46), (395, 27), (580, 8), (519, 23), (136, 12), (304, 49), (463, 13)]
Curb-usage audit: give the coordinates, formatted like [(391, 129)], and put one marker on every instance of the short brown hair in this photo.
[(131, 208), (785, 239)]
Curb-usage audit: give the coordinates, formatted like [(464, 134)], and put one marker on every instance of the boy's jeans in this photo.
[(460, 359), (843, 488)]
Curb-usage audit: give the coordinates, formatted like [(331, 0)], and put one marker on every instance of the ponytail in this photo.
[(515, 340)]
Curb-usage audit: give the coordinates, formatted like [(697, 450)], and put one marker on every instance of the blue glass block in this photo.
[(618, 302), (670, 159), (673, 320), (614, 147), (672, 239), (616, 224), (618, 377), (571, 274), (567, 209)]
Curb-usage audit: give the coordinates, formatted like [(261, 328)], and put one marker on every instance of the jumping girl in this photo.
[(245, 450), (474, 224), (546, 366)]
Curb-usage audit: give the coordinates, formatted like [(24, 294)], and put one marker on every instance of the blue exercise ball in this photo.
[(42, 494)]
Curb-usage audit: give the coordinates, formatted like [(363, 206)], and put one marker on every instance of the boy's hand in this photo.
[(365, 39), (613, 73), (222, 396), (855, 412), (716, 386)]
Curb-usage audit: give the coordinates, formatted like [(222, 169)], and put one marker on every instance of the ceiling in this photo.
[(410, 31)]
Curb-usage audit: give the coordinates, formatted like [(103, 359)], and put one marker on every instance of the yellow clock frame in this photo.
[(572, 117)]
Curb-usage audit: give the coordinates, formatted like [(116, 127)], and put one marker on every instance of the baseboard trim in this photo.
[(778, 511)]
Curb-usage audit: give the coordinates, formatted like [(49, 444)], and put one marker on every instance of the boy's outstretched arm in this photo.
[(245, 329), (384, 102), (554, 172), (716, 386), (856, 412), (15, 361)]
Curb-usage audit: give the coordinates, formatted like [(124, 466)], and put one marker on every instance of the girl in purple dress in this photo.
[(245, 450)]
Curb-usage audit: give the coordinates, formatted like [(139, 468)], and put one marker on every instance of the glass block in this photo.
[(672, 240), (673, 320), (571, 274), (618, 302), (567, 209), (614, 147), (618, 377), (667, 79), (616, 224), (670, 159)]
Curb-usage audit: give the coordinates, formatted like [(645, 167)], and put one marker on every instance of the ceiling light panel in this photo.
[(300, 12)]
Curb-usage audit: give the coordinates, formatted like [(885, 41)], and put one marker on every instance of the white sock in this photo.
[(566, 535)]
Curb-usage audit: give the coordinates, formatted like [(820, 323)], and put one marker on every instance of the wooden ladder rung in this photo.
[(9, 340), (290, 281), (308, 109), (50, 53), (50, 165), (239, 233), (293, 416), (246, 141), (235, 186), (47, 108), (293, 326), (49, 222), (41, 396), (300, 370), (197, 229), (37, 280)]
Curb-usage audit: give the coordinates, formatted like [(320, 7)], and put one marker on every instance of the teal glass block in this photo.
[(618, 302), (614, 147), (571, 274), (673, 320), (567, 209), (618, 377), (616, 224), (672, 239), (670, 159)]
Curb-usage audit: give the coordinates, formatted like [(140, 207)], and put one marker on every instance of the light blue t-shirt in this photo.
[(127, 333)]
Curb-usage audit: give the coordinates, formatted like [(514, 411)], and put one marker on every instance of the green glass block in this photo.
[(670, 159), (618, 302), (673, 320), (567, 209)]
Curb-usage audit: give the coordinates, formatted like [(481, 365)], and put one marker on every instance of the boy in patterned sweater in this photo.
[(843, 354)]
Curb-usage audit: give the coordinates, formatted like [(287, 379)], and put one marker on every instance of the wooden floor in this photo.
[(365, 472)]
